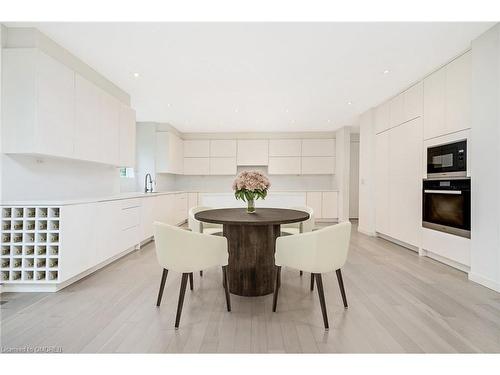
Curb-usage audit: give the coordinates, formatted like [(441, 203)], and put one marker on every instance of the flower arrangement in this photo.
[(249, 186)]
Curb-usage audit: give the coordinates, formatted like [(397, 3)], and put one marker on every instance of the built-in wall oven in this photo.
[(447, 160), (446, 206)]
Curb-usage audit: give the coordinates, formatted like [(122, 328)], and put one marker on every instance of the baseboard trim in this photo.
[(367, 232), (398, 242), (484, 281), (448, 262)]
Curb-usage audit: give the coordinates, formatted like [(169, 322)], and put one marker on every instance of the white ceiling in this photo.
[(261, 76)]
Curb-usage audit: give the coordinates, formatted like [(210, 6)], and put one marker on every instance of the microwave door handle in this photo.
[(450, 192)]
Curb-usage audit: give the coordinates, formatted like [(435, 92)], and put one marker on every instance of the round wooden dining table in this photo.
[(251, 243)]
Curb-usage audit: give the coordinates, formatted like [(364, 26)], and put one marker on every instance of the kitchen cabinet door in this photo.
[(382, 183), (109, 125), (169, 156), (87, 120), (397, 110), (318, 165), (285, 147), (318, 147), (55, 107), (197, 166), (127, 137), (458, 94), (196, 148), (284, 165), (329, 205), (434, 104), (192, 200), (147, 217), (222, 148), (413, 102), (253, 152), (381, 117), (405, 150), (223, 166), (314, 200)]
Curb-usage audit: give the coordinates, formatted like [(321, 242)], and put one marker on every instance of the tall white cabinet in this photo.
[(398, 182)]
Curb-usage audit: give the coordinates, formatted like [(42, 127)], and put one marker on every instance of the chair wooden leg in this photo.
[(276, 288), (226, 288), (162, 286), (201, 273), (191, 281), (341, 285), (301, 273), (321, 295), (181, 299), (312, 281)]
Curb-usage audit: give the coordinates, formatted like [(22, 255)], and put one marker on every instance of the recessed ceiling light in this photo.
[(329, 121), (136, 75), (286, 110), (349, 102), (387, 71), (237, 110)]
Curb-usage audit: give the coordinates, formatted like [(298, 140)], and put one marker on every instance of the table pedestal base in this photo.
[(251, 258)]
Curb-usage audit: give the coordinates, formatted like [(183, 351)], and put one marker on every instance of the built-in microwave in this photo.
[(447, 160), (446, 206)]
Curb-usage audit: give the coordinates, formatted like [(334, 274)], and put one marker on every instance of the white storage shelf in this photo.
[(30, 245)]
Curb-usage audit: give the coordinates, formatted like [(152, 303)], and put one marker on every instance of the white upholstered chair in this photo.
[(199, 227), (317, 252), (183, 251), (303, 226)]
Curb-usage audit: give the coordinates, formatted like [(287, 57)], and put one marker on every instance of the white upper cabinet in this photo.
[(222, 148), (447, 98), (38, 100), (49, 109), (223, 166), (318, 147), (381, 117), (458, 94), (285, 147), (169, 153), (253, 152), (434, 104), (127, 136), (397, 110), (196, 148), (318, 165), (284, 165), (413, 102), (196, 166)]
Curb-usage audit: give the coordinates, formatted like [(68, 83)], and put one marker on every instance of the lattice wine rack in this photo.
[(29, 245)]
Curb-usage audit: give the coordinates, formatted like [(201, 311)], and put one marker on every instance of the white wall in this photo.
[(367, 174), (343, 143), (27, 178), (485, 159), (354, 177)]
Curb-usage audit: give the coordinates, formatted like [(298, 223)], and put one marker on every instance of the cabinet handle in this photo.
[(450, 192)]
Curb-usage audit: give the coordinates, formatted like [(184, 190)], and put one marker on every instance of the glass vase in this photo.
[(250, 206)]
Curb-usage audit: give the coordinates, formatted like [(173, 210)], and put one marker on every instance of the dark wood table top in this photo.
[(261, 216)]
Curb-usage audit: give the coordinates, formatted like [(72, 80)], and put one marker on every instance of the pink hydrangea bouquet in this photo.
[(249, 186)]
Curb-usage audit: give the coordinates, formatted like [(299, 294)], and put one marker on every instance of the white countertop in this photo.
[(67, 202), (73, 201)]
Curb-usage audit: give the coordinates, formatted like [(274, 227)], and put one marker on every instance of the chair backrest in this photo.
[(185, 251), (333, 244), (323, 250), (307, 225), (196, 225)]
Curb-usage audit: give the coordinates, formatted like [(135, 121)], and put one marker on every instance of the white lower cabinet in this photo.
[(323, 203)]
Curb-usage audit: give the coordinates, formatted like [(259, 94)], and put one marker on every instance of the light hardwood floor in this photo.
[(398, 302)]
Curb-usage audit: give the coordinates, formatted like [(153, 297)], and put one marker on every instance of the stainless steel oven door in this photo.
[(447, 211)]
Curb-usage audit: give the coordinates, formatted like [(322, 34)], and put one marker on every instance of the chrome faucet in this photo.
[(146, 189)]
